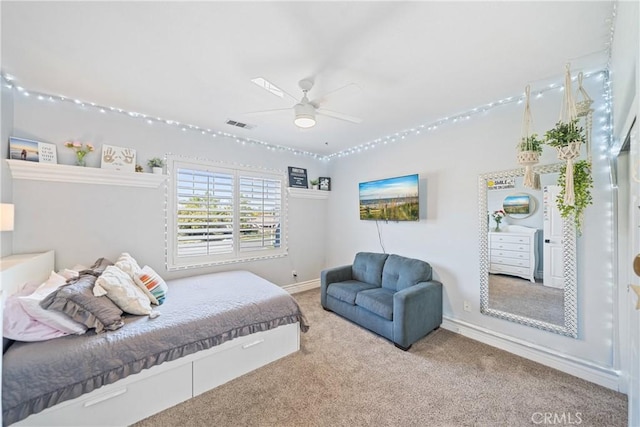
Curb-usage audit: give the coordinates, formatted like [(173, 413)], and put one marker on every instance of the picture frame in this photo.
[(32, 151), (298, 177), (325, 183), (118, 158)]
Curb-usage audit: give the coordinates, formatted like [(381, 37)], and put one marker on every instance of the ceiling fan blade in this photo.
[(349, 89), (265, 112), (271, 88), (339, 116)]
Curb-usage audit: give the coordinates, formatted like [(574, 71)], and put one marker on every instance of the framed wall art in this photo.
[(118, 158), (32, 151)]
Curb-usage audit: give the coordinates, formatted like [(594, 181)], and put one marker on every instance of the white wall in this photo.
[(6, 128), (625, 65), (82, 222), (449, 161)]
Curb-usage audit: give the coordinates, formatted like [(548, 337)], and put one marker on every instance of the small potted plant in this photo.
[(156, 164), (565, 134), (529, 150), (314, 183)]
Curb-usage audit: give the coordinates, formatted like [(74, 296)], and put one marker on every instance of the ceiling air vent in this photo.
[(239, 124)]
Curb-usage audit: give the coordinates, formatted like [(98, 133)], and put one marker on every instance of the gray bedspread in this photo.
[(200, 312)]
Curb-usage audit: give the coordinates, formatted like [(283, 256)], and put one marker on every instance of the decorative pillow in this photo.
[(128, 264), (76, 299), (121, 289), (54, 319), (18, 325), (152, 284)]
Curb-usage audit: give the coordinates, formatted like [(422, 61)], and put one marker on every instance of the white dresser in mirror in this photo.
[(514, 251)]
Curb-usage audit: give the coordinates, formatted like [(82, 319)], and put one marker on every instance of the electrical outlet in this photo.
[(467, 306), (294, 274)]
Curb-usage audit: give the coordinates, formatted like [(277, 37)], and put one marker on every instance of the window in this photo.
[(220, 215)]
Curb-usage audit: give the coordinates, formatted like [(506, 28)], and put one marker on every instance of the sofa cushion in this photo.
[(400, 272), (378, 301), (367, 267), (346, 291)]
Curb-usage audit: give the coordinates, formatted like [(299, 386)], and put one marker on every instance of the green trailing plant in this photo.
[(582, 185), (531, 143), (564, 133), (155, 162), (315, 181)]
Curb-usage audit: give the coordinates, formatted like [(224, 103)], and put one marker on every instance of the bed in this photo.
[(212, 328)]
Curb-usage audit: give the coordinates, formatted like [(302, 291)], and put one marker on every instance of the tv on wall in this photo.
[(390, 199)]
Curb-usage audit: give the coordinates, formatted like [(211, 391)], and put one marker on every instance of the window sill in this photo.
[(21, 169), (305, 193)]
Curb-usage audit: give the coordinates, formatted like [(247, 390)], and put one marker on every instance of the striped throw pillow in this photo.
[(152, 284)]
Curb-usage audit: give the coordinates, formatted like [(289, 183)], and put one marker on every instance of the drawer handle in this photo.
[(246, 346), (104, 397)]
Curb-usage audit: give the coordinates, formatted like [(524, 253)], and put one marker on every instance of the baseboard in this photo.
[(589, 371), (294, 288)]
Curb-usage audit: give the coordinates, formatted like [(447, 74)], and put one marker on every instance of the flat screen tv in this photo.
[(390, 199)]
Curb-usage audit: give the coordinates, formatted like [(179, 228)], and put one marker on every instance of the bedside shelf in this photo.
[(305, 193), (21, 169)]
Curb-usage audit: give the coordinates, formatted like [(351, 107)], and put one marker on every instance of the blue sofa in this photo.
[(390, 295)]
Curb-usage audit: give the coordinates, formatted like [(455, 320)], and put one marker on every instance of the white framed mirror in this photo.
[(528, 269)]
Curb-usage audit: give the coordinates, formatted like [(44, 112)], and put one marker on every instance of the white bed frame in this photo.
[(138, 396)]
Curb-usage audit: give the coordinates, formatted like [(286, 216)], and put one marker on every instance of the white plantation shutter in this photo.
[(221, 215), (260, 205), (204, 212)]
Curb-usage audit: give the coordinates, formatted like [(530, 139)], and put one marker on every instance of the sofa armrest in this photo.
[(417, 310), (332, 275)]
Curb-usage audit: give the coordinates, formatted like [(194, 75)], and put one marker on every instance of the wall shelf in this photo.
[(306, 193), (21, 169)]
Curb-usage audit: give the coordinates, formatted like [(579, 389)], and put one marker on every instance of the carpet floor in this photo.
[(344, 375)]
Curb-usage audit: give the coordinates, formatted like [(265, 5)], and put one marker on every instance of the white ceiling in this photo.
[(413, 62)]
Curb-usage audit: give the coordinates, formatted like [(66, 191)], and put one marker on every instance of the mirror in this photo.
[(527, 268)]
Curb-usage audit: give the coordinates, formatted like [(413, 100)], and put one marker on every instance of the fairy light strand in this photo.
[(403, 135)]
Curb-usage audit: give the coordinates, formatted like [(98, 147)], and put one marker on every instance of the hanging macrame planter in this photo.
[(567, 138), (583, 109), (529, 148)]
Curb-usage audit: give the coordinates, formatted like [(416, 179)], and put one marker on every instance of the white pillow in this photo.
[(128, 264), (18, 325), (121, 289), (54, 319)]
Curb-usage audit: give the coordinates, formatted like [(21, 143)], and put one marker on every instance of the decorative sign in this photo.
[(298, 177), (118, 158), (501, 183), (325, 183), (32, 151)]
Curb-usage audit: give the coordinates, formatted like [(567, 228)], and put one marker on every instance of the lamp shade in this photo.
[(6, 217)]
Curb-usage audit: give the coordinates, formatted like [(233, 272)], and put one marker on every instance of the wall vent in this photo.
[(240, 124)]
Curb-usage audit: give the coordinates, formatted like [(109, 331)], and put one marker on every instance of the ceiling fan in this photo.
[(305, 111)]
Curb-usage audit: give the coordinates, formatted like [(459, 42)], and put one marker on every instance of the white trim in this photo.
[(590, 371), (21, 169), (305, 193), (294, 288)]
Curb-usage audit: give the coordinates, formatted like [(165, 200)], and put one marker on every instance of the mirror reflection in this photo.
[(525, 248)]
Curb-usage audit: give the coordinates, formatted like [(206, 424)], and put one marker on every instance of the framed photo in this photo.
[(298, 177), (325, 183), (32, 151), (118, 158)]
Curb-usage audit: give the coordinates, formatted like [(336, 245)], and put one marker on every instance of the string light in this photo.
[(395, 137)]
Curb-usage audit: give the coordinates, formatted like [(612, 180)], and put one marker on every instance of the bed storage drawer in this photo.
[(242, 355), (123, 403)]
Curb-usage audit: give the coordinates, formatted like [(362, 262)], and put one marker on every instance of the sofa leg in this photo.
[(401, 347)]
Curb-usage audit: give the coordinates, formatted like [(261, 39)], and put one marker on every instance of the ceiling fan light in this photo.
[(305, 121), (305, 115)]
